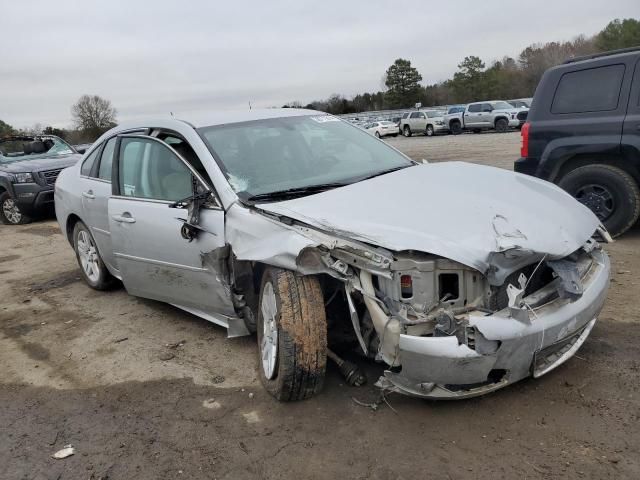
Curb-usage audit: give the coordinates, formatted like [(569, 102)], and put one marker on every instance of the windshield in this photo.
[(434, 113), (266, 156), (501, 106), (30, 148)]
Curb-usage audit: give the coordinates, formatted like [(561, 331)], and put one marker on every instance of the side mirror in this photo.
[(81, 150)]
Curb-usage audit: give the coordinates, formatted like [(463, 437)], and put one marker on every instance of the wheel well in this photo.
[(71, 224), (455, 120), (500, 118), (630, 165)]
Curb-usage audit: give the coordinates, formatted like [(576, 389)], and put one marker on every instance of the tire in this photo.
[(429, 132), (502, 125), (10, 214), (406, 131), (477, 130), (394, 135), (456, 128), (295, 371), (610, 192), (93, 269), (377, 134)]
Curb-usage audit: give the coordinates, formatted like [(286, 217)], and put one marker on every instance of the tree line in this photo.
[(507, 78)]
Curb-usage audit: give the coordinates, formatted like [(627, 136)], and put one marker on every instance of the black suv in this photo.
[(583, 133), (29, 166)]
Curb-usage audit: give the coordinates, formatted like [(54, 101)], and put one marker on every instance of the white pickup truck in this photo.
[(491, 115)]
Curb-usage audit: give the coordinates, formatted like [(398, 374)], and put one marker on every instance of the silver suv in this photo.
[(262, 221), (429, 122)]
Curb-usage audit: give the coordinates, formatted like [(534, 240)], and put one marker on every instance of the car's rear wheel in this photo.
[(456, 128), (93, 269), (502, 125), (610, 192), (292, 335), (429, 131), (10, 213), (406, 131)]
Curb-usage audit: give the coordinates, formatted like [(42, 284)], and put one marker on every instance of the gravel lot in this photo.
[(143, 390)]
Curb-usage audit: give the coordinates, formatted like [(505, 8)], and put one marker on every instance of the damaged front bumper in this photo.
[(502, 348)]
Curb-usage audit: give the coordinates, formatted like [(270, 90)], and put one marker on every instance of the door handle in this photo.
[(124, 218), (89, 194)]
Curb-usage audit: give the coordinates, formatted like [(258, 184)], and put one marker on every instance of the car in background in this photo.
[(29, 166), (523, 105), (495, 115), (429, 122), (583, 133), (382, 129)]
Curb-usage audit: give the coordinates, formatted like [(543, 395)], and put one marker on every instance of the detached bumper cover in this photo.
[(505, 350)]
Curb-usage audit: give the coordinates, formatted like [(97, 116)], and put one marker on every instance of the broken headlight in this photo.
[(22, 178)]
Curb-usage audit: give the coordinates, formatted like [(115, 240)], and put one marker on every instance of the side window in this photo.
[(415, 115), (486, 107), (475, 108), (87, 165), (107, 160), (405, 115), (149, 169), (187, 153), (421, 115), (591, 90)]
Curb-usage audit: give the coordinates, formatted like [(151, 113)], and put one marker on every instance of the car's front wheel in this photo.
[(10, 213), (502, 125), (406, 131), (456, 128), (292, 335), (610, 192), (429, 131), (93, 269)]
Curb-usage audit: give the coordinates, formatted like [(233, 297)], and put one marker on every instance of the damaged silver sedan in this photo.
[(295, 225)]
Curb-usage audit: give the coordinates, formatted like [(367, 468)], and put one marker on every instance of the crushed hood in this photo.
[(461, 211)]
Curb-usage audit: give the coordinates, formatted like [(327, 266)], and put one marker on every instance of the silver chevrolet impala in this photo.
[(320, 238)]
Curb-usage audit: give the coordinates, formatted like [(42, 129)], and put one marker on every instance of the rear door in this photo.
[(154, 259), (96, 190), (473, 115)]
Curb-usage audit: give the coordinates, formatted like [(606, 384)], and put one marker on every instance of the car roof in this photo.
[(220, 117)]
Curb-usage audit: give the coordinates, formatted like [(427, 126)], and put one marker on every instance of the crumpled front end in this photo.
[(483, 351)]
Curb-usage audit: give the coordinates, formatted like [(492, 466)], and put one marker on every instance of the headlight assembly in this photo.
[(23, 178)]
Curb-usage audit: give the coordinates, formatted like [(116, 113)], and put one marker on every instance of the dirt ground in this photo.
[(143, 390)]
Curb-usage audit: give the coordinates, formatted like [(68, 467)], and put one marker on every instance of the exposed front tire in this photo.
[(502, 125), (10, 214), (93, 269), (429, 132), (406, 131), (292, 335), (456, 128), (610, 192)]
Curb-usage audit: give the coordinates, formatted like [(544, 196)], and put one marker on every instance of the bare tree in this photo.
[(93, 114)]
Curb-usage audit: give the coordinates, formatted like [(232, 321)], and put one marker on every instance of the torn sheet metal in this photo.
[(457, 210)]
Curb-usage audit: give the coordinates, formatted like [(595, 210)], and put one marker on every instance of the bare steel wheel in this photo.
[(93, 270), (10, 213), (292, 335)]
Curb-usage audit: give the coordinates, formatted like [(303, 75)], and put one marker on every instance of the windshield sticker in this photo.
[(325, 118)]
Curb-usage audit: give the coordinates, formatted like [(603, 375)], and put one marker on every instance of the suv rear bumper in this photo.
[(526, 165)]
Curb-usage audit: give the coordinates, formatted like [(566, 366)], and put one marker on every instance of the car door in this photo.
[(421, 122), (486, 119), (413, 121), (473, 116), (96, 190), (154, 258)]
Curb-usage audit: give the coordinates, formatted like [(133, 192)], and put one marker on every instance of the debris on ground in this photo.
[(165, 356), (218, 379), (67, 451), (176, 344), (119, 340)]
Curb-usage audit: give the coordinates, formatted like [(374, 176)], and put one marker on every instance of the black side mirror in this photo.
[(81, 150)]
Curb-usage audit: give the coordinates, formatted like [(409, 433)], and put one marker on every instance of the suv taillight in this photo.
[(524, 132)]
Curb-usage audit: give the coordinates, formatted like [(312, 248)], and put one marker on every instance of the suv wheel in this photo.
[(10, 214), (610, 192), (456, 128), (429, 131), (292, 335), (94, 271), (406, 131), (502, 125)]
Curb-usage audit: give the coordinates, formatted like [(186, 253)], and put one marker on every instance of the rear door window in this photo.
[(475, 108), (106, 161), (87, 165), (592, 90)]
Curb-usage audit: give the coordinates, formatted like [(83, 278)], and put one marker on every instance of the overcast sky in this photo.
[(152, 57)]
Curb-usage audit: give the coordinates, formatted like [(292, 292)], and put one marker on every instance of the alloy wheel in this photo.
[(269, 345), (11, 211), (88, 256)]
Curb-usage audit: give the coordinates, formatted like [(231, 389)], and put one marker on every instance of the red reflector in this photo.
[(524, 133), (406, 286)]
